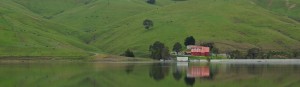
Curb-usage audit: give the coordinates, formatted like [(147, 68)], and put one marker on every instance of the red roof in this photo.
[(200, 51)]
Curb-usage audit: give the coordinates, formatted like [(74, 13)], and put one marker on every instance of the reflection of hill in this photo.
[(116, 75), (240, 72)]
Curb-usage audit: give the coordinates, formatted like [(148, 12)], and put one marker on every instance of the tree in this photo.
[(165, 53), (151, 1), (189, 41), (128, 53), (159, 51), (211, 45), (177, 47), (148, 24), (253, 53), (236, 54), (296, 53), (215, 51)]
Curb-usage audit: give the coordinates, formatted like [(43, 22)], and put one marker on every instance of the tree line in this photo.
[(256, 53), (159, 50)]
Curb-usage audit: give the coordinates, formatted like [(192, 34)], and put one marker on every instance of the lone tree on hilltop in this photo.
[(148, 24), (177, 47), (189, 41)]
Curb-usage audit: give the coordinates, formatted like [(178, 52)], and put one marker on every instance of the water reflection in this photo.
[(159, 71), (192, 72), (179, 74), (188, 71), (190, 81), (129, 68)]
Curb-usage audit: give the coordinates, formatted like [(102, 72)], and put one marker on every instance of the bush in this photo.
[(128, 53), (148, 23), (296, 53), (253, 53), (236, 54)]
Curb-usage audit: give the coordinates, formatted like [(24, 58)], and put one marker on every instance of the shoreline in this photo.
[(67, 59), (257, 61)]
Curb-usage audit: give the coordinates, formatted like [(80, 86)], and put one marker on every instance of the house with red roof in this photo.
[(199, 50)]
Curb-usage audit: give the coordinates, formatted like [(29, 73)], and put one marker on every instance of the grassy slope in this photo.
[(50, 8), (289, 8), (26, 34), (233, 24), (115, 25)]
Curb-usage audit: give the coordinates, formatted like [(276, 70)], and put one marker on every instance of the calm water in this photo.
[(149, 75)]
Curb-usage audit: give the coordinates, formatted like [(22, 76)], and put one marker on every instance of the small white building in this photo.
[(182, 59), (189, 47)]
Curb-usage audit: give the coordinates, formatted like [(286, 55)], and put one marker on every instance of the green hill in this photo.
[(289, 8), (115, 25), (23, 33)]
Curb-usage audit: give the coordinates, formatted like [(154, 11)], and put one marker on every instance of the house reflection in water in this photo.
[(198, 72), (193, 72)]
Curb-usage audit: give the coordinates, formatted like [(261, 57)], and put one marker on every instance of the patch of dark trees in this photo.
[(128, 53), (150, 1), (256, 53), (159, 51)]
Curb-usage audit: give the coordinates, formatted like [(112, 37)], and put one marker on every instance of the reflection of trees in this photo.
[(231, 68), (129, 68), (158, 71), (296, 68), (212, 73), (189, 81), (255, 69), (250, 69), (177, 75)]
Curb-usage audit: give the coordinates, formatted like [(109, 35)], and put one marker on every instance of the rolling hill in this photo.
[(115, 25), (23, 33)]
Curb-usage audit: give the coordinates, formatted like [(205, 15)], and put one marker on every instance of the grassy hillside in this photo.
[(115, 25), (233, 24), (23, 33), (289, 8), (50, 8)]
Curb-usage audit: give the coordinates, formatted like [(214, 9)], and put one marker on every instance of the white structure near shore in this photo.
[(182, 59)]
